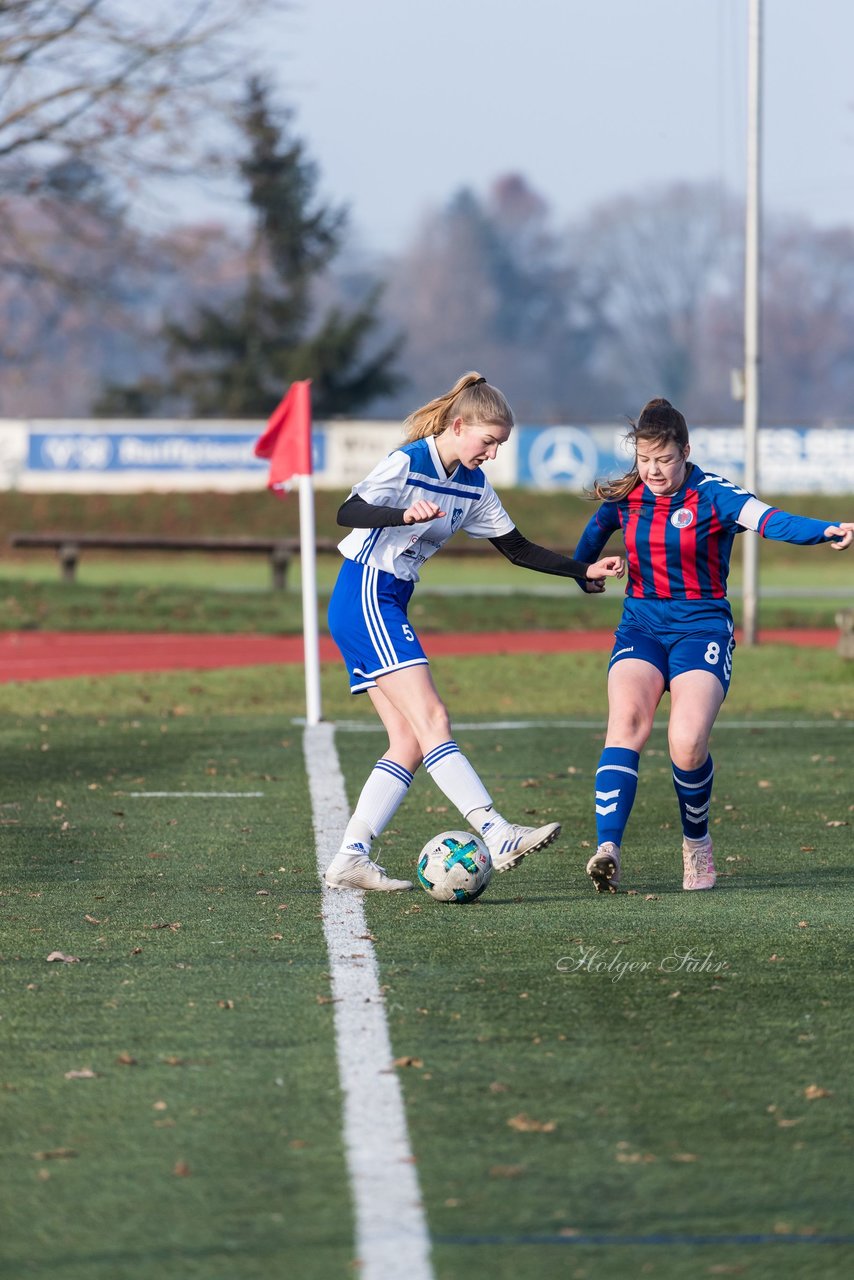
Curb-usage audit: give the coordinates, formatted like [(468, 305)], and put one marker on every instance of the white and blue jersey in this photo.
[(367, 611), (412, 472)]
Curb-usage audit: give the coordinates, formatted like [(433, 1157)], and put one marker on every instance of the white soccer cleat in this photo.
[(511, 843), (604, 867), (348, 872), (697, 864)]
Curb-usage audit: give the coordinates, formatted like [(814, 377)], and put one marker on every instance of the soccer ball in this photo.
[(454, 867)]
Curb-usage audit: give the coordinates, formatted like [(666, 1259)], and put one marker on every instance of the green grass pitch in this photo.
[(596, 1085)]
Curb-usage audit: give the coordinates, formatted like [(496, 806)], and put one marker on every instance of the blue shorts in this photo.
[(675, 641), (367, 620)]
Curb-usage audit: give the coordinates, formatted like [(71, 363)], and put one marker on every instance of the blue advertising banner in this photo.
[(569, 458), (154, 451), (791, 459)]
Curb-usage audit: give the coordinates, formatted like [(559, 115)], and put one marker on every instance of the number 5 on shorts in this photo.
[(407, 632)]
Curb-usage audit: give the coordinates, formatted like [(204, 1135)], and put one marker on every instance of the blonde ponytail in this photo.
[(470, 398)]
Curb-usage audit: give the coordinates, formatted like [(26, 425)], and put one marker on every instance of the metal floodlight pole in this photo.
[(752, 267)]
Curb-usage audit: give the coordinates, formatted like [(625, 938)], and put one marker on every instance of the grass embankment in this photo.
[(141, 592)]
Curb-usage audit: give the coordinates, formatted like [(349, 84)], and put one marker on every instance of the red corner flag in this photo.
[(287, 438)]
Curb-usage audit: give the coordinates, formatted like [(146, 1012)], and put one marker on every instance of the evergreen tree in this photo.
[(235, 359)]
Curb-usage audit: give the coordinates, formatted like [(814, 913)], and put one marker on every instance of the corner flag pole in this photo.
[(286, 441), (308, 570)]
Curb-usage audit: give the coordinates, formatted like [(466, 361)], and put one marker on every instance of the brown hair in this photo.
[(470, 398), (659, 421)]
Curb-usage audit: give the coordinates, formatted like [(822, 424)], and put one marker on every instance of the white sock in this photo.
[(455, 776), (487, 821), (379, 801)]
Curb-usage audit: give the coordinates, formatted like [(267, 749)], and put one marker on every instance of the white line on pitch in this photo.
[(391, 1232), (359, 726), (192, 795)]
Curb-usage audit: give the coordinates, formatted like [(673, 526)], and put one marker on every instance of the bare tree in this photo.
[(487, 284), (667, 259), (115, 82), (96, 97), (808, 319)]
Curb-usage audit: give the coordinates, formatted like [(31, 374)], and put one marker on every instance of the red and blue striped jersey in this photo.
[(678, 546)]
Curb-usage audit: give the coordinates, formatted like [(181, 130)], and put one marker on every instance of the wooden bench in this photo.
[(69, 546), (845, 622)]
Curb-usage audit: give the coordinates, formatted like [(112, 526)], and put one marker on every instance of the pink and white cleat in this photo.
[(604, 867), (698, 866)]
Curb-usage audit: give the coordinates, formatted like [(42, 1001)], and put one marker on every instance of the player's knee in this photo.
[(630, 728), (688, 750), (433, 724)]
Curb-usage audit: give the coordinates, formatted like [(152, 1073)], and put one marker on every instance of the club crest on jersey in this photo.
[(682, 518), (456, 518)]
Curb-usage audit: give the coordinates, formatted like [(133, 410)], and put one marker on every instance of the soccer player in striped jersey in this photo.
[(401, 515), (678, 524)]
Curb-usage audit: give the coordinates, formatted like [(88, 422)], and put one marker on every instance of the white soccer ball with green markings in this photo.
[(454, 867)]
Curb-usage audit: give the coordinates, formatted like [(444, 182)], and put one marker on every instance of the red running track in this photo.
[(51, 655)]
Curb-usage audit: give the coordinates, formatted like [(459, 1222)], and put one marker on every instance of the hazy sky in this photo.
[(401, 102)]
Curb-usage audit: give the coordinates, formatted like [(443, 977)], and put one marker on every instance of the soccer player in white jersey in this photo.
[(400, 515)]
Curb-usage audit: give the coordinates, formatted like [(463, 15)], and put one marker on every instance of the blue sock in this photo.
[(694, 792), (616, 784)]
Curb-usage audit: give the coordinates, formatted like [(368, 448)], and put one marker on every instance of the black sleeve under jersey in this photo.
[(355, 513), (528, 555)]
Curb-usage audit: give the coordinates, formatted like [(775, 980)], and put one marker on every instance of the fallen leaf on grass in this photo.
[(181, 1169), (225, 1004), (85, 1073), (175, 926), (407, 1062), (524, 1123), (60, 955), (650, 897), (507, 1171), (814, 1091), (126, 1060), (684, 1157), (326, 999), (58, 1153), (837, 822), (93, 920)]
